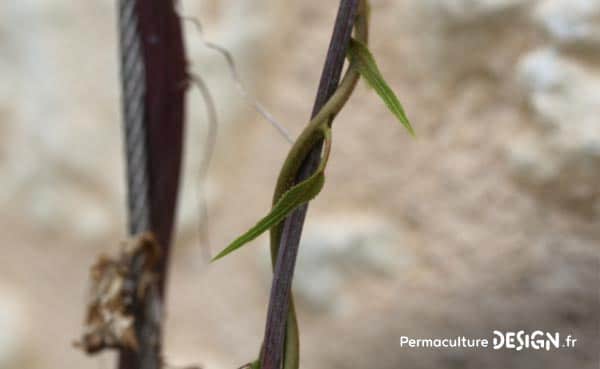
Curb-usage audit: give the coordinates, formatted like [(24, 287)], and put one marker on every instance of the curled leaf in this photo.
[(362, 59), (298, 195)]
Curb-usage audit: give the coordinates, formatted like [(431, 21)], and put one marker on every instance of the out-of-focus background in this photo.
[(489, 219)]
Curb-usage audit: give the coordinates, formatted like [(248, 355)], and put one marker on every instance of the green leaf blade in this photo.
[(362, 59), (298, 195)]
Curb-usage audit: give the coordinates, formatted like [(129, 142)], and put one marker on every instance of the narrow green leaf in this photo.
[(363, 61), (301, 193)]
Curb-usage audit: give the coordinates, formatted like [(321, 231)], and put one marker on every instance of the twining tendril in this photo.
[(281, 336)]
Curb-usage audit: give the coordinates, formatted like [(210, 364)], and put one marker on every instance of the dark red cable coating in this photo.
[(165, 67)]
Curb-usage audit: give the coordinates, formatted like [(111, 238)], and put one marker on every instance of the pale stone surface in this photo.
[(562, 148), (13, 329), (469, 11), (337, 249), (563, 93), (471, 39), (571, 22)]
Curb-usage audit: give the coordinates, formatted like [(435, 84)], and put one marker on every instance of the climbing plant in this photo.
[(125, 311), (293, 192)]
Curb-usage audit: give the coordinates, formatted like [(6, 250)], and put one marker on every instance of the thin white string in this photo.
[(209, 148), (237, 79)]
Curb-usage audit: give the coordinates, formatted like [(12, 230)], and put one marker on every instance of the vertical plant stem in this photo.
[(279, 304), (165, 73)]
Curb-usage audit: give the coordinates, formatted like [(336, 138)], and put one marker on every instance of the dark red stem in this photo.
[(292, 229)]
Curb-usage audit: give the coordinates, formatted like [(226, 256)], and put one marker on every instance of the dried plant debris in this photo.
[(116, 286)]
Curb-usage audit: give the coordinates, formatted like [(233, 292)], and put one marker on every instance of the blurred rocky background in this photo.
[(489, 219)]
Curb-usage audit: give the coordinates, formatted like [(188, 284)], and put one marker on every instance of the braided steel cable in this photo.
[(133, 85)]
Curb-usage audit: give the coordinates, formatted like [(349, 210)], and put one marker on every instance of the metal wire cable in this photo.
[(133, 85), (133, 104)]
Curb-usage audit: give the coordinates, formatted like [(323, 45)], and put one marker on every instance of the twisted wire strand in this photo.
[(148, 311), (133, 105)]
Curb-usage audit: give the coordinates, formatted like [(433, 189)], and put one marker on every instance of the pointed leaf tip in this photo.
[(299, 194), (362, 59)]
